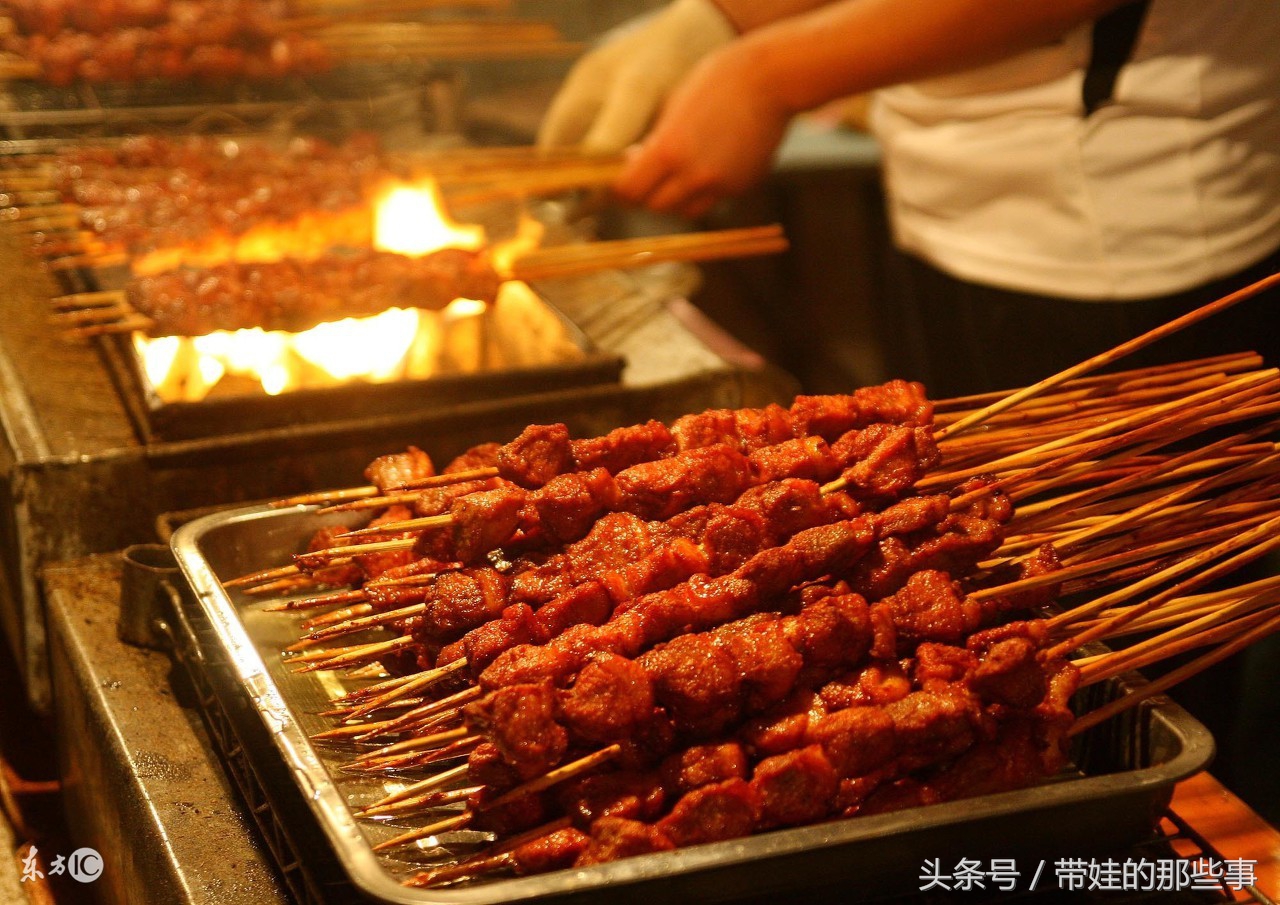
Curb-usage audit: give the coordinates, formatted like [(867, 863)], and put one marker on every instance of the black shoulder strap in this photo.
[(1114, 36)]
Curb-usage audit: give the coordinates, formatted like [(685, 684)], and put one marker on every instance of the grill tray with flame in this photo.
[(520, 345), (1124, 776)]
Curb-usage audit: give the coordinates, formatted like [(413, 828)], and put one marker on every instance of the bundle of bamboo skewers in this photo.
[(1148, 484)]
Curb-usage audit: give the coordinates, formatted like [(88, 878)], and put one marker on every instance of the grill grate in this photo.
[(32, 111)]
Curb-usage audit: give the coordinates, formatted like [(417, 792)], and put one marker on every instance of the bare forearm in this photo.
[(748, 15), (853, 46)]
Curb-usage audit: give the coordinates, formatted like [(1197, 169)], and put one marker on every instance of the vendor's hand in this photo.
[(614, 92), (716, 137)]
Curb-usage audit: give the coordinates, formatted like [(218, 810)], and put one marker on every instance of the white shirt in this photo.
[(997, 176)]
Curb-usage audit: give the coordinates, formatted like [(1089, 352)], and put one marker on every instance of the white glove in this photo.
[(613, 93)]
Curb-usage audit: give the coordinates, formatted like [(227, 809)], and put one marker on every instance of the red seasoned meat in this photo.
[(568, 505), (659, 490), (624, 793), (876, 684), (856, 740), (554, 851), (613, 838), (796, 787), (483, 644), (540, 453), (527, 663), (623, 447), (458, 600), (832, 634), (723, 810), (485, 521), (697, 682), (701, 765), (394, 470), (586, 604), (885, 460), (520, 721), (930, 607), (802, 457), (895, 402), (611, 697), (766, 661)]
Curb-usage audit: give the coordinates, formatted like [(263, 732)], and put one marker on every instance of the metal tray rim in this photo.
[(370, 876)]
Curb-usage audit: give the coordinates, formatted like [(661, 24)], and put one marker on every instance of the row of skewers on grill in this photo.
[(192, 218), (128, 41), (761, 618)]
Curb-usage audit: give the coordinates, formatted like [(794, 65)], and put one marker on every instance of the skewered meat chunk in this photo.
[(295, 295), (48, 17), (191, 201), (541, 452), (856, 740), (697, 682), (659, 490), (553, 851), (702, 765), (519, 719), (897, 401), (396, 469), (610, 699), (617, 837), (713, 813), (623, 447), (796, 787), (628, 794)]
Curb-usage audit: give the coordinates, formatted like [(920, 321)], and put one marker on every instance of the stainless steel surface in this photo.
[(146, 594), (1123, 783), (141, 783)]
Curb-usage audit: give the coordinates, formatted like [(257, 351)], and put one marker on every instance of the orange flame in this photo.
[(408, 219)]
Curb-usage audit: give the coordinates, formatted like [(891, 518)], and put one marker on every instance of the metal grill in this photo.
[(396, 95)]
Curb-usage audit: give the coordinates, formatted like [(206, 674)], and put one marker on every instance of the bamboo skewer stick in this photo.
[(568, 260), (1105, 358), (432, 782), (1180, 493), (1214, 628), (1185, 609), (443, 826), (1171, 469), (422, 681), (1102, 564), (1255, 542), (360, 655), (432, 711), (1104, 713), (546, 781), (131, 324), (1211, 399), (957, 407), (375, 620), (1149, 423), (496, 857), (552, 181)]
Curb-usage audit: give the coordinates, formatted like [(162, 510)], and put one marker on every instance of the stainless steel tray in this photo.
[(1124, 776)]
